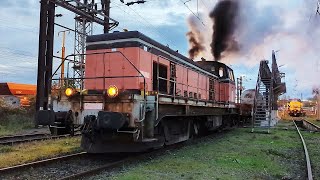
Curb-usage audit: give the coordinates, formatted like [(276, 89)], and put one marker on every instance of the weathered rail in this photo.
[(20, 167), (82, 166), (16, 139), (307, 158), (310, 126)]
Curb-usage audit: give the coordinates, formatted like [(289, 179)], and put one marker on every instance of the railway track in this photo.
[(310, 126), (83, 165), (39, 163), (16, 139), (63, 167), (74, 166)]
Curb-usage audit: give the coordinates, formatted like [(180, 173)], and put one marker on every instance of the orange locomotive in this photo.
[(138, 94)]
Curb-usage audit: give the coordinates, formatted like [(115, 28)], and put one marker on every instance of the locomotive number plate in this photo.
[(93, 106)]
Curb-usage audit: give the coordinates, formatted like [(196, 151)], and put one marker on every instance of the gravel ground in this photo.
[(63, 168), (34, 130)]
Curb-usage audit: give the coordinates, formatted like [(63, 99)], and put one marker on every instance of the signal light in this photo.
[(112, 91), (69, 92)]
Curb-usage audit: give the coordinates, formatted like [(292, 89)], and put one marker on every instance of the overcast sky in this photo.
[(289, 26)]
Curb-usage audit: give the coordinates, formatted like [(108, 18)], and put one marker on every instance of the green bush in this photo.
[(13, 120)]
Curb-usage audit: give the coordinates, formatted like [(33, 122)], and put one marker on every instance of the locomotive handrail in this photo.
[(180, 83), (175, 82), (144, 79), (174, 94), (100, 77)]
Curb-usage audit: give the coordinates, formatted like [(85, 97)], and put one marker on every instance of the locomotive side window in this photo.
[(221, 72), (145, 48), (163, 71), (231, 77)]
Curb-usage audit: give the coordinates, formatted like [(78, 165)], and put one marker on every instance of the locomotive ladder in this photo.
[(261, 117)]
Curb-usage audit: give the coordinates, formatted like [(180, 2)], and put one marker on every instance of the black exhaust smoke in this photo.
[(224, 16), (196, 45), (195, 38)]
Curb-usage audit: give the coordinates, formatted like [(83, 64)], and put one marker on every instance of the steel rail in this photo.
[(22, 135), (99, 169), (39, 163), (120, 162), (309, 169), (129, 160), (316, 127), (10, 140)]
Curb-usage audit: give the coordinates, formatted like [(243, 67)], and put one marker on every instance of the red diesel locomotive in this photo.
[(138, 94)]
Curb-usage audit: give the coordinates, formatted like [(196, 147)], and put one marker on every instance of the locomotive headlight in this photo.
[(69, 92), (112, 91)]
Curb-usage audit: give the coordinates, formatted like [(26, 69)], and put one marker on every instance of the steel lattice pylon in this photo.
[(83, 28)]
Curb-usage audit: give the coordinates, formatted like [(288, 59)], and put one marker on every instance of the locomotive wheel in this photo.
[(176, 129)]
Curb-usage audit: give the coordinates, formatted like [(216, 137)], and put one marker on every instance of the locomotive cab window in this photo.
[(231, 77), (221, 73), (163, 72)]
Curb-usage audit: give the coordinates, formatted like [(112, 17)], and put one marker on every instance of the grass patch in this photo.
[(27, 152), (13, 120), (236, 155), (14, 123)]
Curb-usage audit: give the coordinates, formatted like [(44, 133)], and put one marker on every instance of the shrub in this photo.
[(15, 119)]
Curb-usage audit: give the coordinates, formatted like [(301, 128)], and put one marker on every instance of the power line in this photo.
[(147, 23), (197, 16), (318, 7), (205, 5)]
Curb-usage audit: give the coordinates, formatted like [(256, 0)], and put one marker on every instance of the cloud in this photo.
[(289, 26), (266, 25)]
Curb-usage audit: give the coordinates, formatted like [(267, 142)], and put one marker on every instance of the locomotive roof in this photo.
[(135, 36), (206, 64)]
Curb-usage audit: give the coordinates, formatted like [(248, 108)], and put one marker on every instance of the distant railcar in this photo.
[(138, 94), (295, 108)]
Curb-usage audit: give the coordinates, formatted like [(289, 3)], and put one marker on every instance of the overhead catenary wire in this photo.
[(205, 5), (197, 16), (146, 23)]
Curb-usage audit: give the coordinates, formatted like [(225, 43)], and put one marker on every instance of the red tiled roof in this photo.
[(17, 89)]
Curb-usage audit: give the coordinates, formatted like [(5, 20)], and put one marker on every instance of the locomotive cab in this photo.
[(226, 82)]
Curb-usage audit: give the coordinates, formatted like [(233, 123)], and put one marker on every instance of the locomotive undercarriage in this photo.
[(297, 113), (175, 123), (114, 124)]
